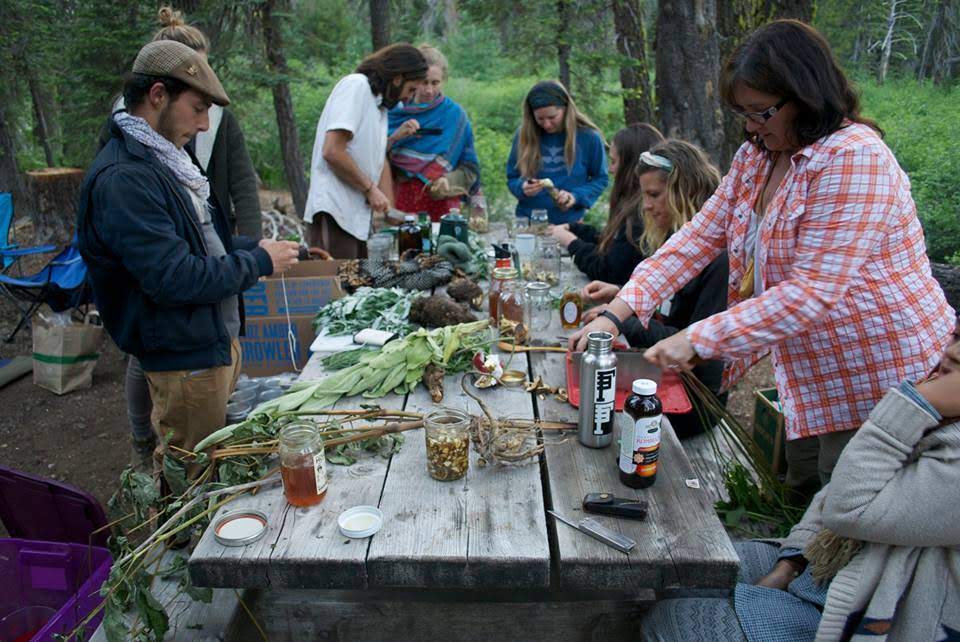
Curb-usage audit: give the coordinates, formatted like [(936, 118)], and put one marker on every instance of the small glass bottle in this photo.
[(640, 435), (410, 235), (303, 465), (539, 306), (447, 431), (539, 220), (571, 309), (546, 267), (426, 243), (511, 305), (500, 276)]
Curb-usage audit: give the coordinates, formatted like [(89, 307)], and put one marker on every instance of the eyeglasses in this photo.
[(760, 117), (655, 160)]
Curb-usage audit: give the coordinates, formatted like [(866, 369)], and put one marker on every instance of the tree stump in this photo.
[(53, 193), (948, 276)]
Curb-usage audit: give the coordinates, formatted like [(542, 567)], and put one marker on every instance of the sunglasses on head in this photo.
[(656, 160)]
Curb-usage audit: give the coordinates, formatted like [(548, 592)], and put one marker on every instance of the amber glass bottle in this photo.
[(640, 435), (571, 309)]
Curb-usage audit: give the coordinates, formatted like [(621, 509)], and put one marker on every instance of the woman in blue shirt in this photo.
[(544, 149)]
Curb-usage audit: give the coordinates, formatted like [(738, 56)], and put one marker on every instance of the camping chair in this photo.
[(6, 246), (36, 508), (61, 283)]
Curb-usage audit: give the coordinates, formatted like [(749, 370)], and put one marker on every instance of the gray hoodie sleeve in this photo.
[(885, 490)]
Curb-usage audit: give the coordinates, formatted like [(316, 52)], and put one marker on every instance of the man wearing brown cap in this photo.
[(165, 270)]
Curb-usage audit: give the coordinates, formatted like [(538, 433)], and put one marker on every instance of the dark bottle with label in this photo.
[(640, 435), (410, 236)]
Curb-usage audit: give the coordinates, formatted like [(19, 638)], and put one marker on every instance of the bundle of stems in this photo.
[(712, 412)]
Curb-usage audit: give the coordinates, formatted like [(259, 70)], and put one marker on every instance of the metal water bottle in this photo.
[(598, 389)]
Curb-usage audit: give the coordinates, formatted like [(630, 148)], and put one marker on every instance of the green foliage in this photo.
[(920, 122)]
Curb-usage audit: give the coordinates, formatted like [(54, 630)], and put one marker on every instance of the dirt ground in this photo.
[(83, 438)]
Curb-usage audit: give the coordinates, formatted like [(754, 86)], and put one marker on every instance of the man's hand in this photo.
[(532, 187), (951, 359), (282, 253), (378, 200), (674, 353), (599, 292), (565, 200), (782, 574)]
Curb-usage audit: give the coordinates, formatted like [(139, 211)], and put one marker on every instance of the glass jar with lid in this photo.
[(500, 276), (539, 306), (303, 465), (447, 431)]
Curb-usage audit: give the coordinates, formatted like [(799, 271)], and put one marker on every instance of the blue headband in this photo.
[(546, 95)]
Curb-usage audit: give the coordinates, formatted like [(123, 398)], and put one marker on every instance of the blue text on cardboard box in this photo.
[(267, 348)]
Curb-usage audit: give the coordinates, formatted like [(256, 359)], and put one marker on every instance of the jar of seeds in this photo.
[(448, 443)]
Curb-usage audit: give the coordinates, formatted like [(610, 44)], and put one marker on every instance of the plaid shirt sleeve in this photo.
[(684, 255), (848, 209)]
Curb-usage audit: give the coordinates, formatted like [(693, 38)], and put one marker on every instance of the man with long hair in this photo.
[(349, 153)]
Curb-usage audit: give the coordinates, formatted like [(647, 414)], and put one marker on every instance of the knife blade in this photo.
[(599, 532)]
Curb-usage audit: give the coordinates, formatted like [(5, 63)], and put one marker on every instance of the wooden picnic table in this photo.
[(478, 557)]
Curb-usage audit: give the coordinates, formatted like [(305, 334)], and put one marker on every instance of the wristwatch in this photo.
[(616, 320)]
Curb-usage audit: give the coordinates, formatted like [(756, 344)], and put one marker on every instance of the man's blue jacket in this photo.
[(157, 290)]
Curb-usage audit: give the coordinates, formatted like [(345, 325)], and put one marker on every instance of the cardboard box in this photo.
[(266, 349), (768, 429), (309, 286)]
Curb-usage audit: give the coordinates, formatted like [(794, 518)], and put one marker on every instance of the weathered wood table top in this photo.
[(489, 530)]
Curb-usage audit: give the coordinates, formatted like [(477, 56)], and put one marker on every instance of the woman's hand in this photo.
[(951, 359), (593, 313), (562, 233), (408, 128), (531, 187), (599, 292), (674, 353), (943, 393), (565, 200), (782, 574), (377, 199), (440, 187), (578, 342)]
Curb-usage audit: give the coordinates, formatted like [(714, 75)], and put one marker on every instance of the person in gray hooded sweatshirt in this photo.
[(876, 556)]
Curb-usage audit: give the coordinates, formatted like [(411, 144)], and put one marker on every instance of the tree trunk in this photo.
[(634, 75), (563, 43), (380, 23), (797, 9), (736, 19), (53, 203), (40, 119), (10, 178), (451, 18), (887, 48), (688, 70), (428, 20), (283, 106)]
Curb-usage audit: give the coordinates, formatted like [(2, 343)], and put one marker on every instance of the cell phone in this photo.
[(429, 131)]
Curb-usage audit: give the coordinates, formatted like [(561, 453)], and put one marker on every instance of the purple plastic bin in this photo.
[(37, 508), (64, 577)]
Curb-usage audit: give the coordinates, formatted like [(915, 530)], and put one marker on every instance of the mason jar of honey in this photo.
[(303, 465)]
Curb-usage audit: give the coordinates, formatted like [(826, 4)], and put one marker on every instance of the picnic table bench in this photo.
[(478, 557)]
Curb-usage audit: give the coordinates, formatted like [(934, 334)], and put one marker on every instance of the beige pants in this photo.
[(188, 405), (811, 461)]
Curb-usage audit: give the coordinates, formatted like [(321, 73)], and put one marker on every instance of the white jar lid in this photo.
[(240, 528), (360, 521), (645, 387)]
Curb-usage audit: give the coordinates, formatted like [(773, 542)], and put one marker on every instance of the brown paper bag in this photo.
[(64, 356)]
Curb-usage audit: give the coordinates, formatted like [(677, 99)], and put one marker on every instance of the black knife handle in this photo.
[(607, 504)]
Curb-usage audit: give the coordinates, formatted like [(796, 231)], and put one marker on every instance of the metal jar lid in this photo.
[(240, 528), (360, 521)]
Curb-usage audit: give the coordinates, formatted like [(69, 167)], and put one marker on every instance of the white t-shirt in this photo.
[(351, 107)]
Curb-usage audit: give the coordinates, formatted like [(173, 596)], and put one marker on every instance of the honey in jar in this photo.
[(571, 309), (303, 465)]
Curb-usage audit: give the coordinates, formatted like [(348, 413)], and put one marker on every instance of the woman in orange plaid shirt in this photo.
[(828, 269)]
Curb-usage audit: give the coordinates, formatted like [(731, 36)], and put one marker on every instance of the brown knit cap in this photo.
[(172, 59)]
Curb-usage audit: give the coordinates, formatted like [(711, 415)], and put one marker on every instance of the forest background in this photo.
[(61, 64)]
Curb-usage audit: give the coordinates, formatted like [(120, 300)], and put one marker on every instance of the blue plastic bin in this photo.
[(62, 577)]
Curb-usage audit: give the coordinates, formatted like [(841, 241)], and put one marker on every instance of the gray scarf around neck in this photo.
[(176, 160)]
